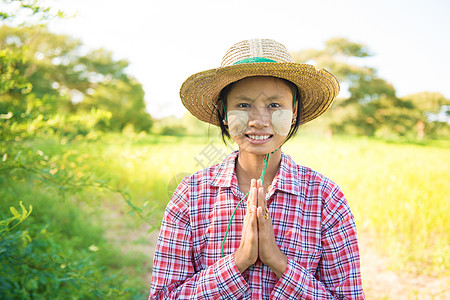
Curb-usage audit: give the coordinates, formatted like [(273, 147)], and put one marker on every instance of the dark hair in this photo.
[(222, 103)]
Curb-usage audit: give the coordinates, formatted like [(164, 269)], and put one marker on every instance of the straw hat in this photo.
[(259, 57)]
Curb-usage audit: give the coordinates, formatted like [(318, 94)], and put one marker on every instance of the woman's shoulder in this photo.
[(318, 188), (310, 180), (304, 172), (213, 172)]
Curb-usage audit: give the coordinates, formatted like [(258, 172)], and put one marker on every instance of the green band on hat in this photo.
[(254, 60)]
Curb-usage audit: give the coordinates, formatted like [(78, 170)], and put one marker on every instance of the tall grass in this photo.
[(398, 192)]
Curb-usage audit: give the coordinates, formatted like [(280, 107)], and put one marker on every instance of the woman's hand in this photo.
[(269, 252), (258, 238), (247, 253)]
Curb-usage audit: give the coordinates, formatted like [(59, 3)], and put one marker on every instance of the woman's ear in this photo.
[(294, 113), (225, 120)]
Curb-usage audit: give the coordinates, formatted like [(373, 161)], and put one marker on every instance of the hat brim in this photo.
[(317, 88)]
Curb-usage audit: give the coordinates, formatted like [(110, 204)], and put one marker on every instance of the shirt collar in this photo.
[(225, 171), (286, 179)]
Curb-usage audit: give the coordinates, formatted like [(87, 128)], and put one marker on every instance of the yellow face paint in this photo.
[(237, 122), (281, 121)]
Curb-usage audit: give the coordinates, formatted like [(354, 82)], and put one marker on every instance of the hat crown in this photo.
[(257, 48)]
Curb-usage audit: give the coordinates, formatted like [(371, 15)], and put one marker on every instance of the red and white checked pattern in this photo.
[(313, 226)]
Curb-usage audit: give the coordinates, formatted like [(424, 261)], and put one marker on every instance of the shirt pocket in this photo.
[(305, 257), (302, 244)]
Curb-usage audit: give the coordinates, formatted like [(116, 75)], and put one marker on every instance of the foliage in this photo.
[(178, 130), (114, 96), (54, 253), (40, 261), (188, 125), (58, 251), (23, 12), (372, 109), (16, 219), (11, 70), (49, 73)]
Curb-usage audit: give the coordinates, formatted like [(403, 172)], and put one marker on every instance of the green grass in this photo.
[(398, 191)]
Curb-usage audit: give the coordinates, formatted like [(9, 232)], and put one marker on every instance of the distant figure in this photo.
[(420, 130), (328, 134), (294, 236)]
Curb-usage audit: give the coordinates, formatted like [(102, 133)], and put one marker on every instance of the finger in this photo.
[(254, 196), (261, 198), (254, 214), (248, 220), (263, 211), (250, 196), (259, 213), (253, 221), (250, 193), (252, 183)]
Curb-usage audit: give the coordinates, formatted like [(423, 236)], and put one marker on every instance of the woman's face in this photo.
[(259, 111)]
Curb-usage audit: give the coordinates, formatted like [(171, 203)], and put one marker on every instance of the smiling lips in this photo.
[(259, 138)]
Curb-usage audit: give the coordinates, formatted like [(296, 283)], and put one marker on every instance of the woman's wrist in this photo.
[(278, 264), (240, 264)]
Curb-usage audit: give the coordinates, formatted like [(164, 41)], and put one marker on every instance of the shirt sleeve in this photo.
[(338, 273), (174, 274)]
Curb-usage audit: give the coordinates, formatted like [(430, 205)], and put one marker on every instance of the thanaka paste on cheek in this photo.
[(281, 121), (237, 122)]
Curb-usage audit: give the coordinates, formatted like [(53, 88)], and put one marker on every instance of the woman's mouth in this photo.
[(258, 139)]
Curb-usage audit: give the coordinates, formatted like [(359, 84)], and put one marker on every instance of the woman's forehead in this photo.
[(254, 88)]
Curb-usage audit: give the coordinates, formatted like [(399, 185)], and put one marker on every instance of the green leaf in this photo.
[(14, 212), (31, 284)]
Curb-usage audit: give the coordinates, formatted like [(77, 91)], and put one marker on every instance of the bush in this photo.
[(46, 259), (57, 251), (176, 130)]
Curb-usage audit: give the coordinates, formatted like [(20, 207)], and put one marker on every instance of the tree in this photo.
[(61, 79), (433, 113), (372, 106), (25, 12), (124, 98), (39, 257)]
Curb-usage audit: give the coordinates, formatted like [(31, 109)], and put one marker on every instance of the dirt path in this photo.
[(379, 282)]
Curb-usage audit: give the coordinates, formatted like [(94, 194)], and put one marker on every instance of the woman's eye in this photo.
[(274, 105), (243, 105)]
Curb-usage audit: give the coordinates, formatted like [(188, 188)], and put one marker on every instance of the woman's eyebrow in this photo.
[(246, 98), (276, 97)]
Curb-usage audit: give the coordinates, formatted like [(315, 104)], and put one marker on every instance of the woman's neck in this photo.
[(249, 166)]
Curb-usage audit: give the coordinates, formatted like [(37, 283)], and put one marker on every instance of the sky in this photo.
[(167, 41)]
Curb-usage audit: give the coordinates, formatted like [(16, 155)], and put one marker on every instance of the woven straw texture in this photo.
[(317, 88)]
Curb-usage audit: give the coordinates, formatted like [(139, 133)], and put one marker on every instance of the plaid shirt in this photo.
[(313, 226)]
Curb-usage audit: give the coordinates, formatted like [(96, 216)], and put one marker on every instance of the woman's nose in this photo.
[(259, 117)]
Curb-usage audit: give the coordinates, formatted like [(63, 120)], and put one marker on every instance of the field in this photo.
[(398, 193)]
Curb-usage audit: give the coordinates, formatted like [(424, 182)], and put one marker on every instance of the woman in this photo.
[(294, 236)]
